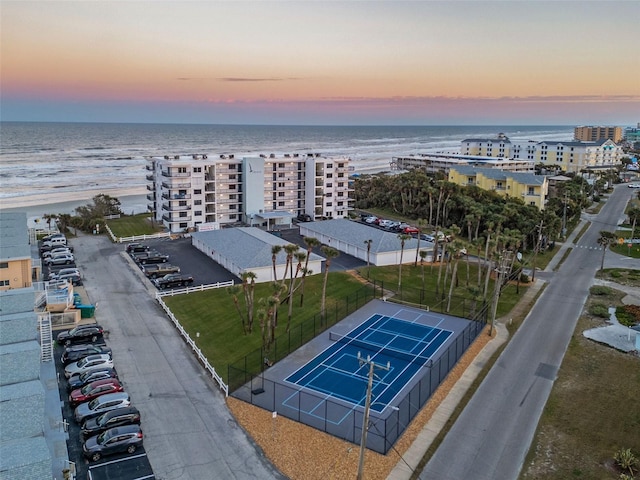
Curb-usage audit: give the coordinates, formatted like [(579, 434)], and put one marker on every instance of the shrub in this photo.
[(596, 198), (599, 310), (615, 274), (600, 290), (626, 460), (628, 315), (524, 278)]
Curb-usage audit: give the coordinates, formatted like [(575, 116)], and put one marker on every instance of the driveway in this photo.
[(189, 432)]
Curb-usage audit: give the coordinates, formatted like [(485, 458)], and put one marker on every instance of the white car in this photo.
[(62, 272), (87, 363), (634, 185), (56, 251), (61, 259)]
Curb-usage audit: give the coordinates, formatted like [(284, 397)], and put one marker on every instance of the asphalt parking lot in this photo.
[(134, 466), (205, 271)]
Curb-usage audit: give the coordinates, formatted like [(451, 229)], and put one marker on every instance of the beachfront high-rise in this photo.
[(568, 156), (595, 133), (190, 190)]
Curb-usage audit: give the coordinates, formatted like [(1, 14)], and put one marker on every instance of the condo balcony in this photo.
[(150, 177), (175, 208), (172, 174), (151, 187), (151, 167), (151, 197), (175, 218), (174, 186), (176, 196)]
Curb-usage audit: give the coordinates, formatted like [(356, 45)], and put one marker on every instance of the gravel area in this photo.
[(302, 452)]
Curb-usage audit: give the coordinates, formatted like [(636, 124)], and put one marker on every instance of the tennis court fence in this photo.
[(341, 419)]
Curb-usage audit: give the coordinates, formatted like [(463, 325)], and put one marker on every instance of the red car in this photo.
[(410, 230), (93, 390)]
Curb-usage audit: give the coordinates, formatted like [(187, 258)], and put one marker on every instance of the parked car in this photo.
[(88, 333), (99, 373), (153, 258), (114, 418), (159, 270), (63, 271), (384, 223), (100, 405), (94, 390), (136, 247), (371, 219), (409, 230), (634, 185), (76, 352), (74, 278), (304, 217), (52, 236), (87, 363), (173, 280), (60, 259), (57, 251), (127, 438)]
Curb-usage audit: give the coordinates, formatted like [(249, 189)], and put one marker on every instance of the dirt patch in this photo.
[(302, 452)]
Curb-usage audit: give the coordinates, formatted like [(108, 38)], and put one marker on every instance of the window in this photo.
[(233, 216), (329, 165), (232, 207), (281, 165), (232, 166), (4, 283), (4, 264), (329, 175), (232, 176), (197, 202), (281, 184), (232, 187), (197, 169), (329, 185), (281, 204), (198, 213), (281, 194), (182, 169), (232, 196), (197, 191), (329, 204), (281, 175), (183, 214)]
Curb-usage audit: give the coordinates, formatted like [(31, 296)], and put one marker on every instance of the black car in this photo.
[(137, 247), (99, 373), (115, 440), (89, 333), (76, 352), (114, 418), (153, 258)]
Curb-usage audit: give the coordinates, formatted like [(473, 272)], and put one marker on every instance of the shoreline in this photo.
[(132, 201)]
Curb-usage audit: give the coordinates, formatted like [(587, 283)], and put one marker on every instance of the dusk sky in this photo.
[(322, 63)]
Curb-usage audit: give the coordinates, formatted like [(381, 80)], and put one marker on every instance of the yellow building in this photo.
[(15, 251), (578, 156), (594, 134), (530, 188)]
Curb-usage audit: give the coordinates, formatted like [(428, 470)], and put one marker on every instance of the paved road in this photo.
[(491, 437), (189, 432)]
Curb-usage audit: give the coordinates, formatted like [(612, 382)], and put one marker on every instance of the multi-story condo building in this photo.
[(190, 190), (569, 156), (579, 156), (487, 147), (531, 188), (442, 162), (632, 134), (593, 134)]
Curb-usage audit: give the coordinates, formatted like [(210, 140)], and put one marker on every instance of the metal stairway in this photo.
[(46, 338)]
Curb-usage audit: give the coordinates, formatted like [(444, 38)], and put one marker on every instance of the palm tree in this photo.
[(368, 243), (248, 287), (634, 216), (420, 225), (329, 253), (300, 256), (455, 248), (403, 237), (310, 242), (606, 239), (275, 250), (234, 290), (423, 255)]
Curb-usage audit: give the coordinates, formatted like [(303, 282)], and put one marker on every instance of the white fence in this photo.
[(136, 237), (199, 288), (224, 387)]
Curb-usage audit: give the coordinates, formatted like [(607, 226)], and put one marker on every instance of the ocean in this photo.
[(43, 163)]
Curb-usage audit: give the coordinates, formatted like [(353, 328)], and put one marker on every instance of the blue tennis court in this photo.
[(406, 347)]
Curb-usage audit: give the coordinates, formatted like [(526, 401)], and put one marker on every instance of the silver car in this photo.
[(97, 406), (88, 363)]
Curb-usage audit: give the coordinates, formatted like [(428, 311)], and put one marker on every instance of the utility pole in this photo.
[(535, 250), (501, 270), (564, 217), (367, 408)]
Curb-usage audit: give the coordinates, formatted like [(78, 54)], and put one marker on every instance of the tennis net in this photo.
[(376, 348)]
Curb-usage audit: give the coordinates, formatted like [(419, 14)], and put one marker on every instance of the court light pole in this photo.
[(367, 409)]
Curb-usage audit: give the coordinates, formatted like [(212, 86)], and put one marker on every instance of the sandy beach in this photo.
[(133, 201)]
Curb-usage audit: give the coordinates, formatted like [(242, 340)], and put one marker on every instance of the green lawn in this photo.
[(213, 316), (212, 320), (131, 225)]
